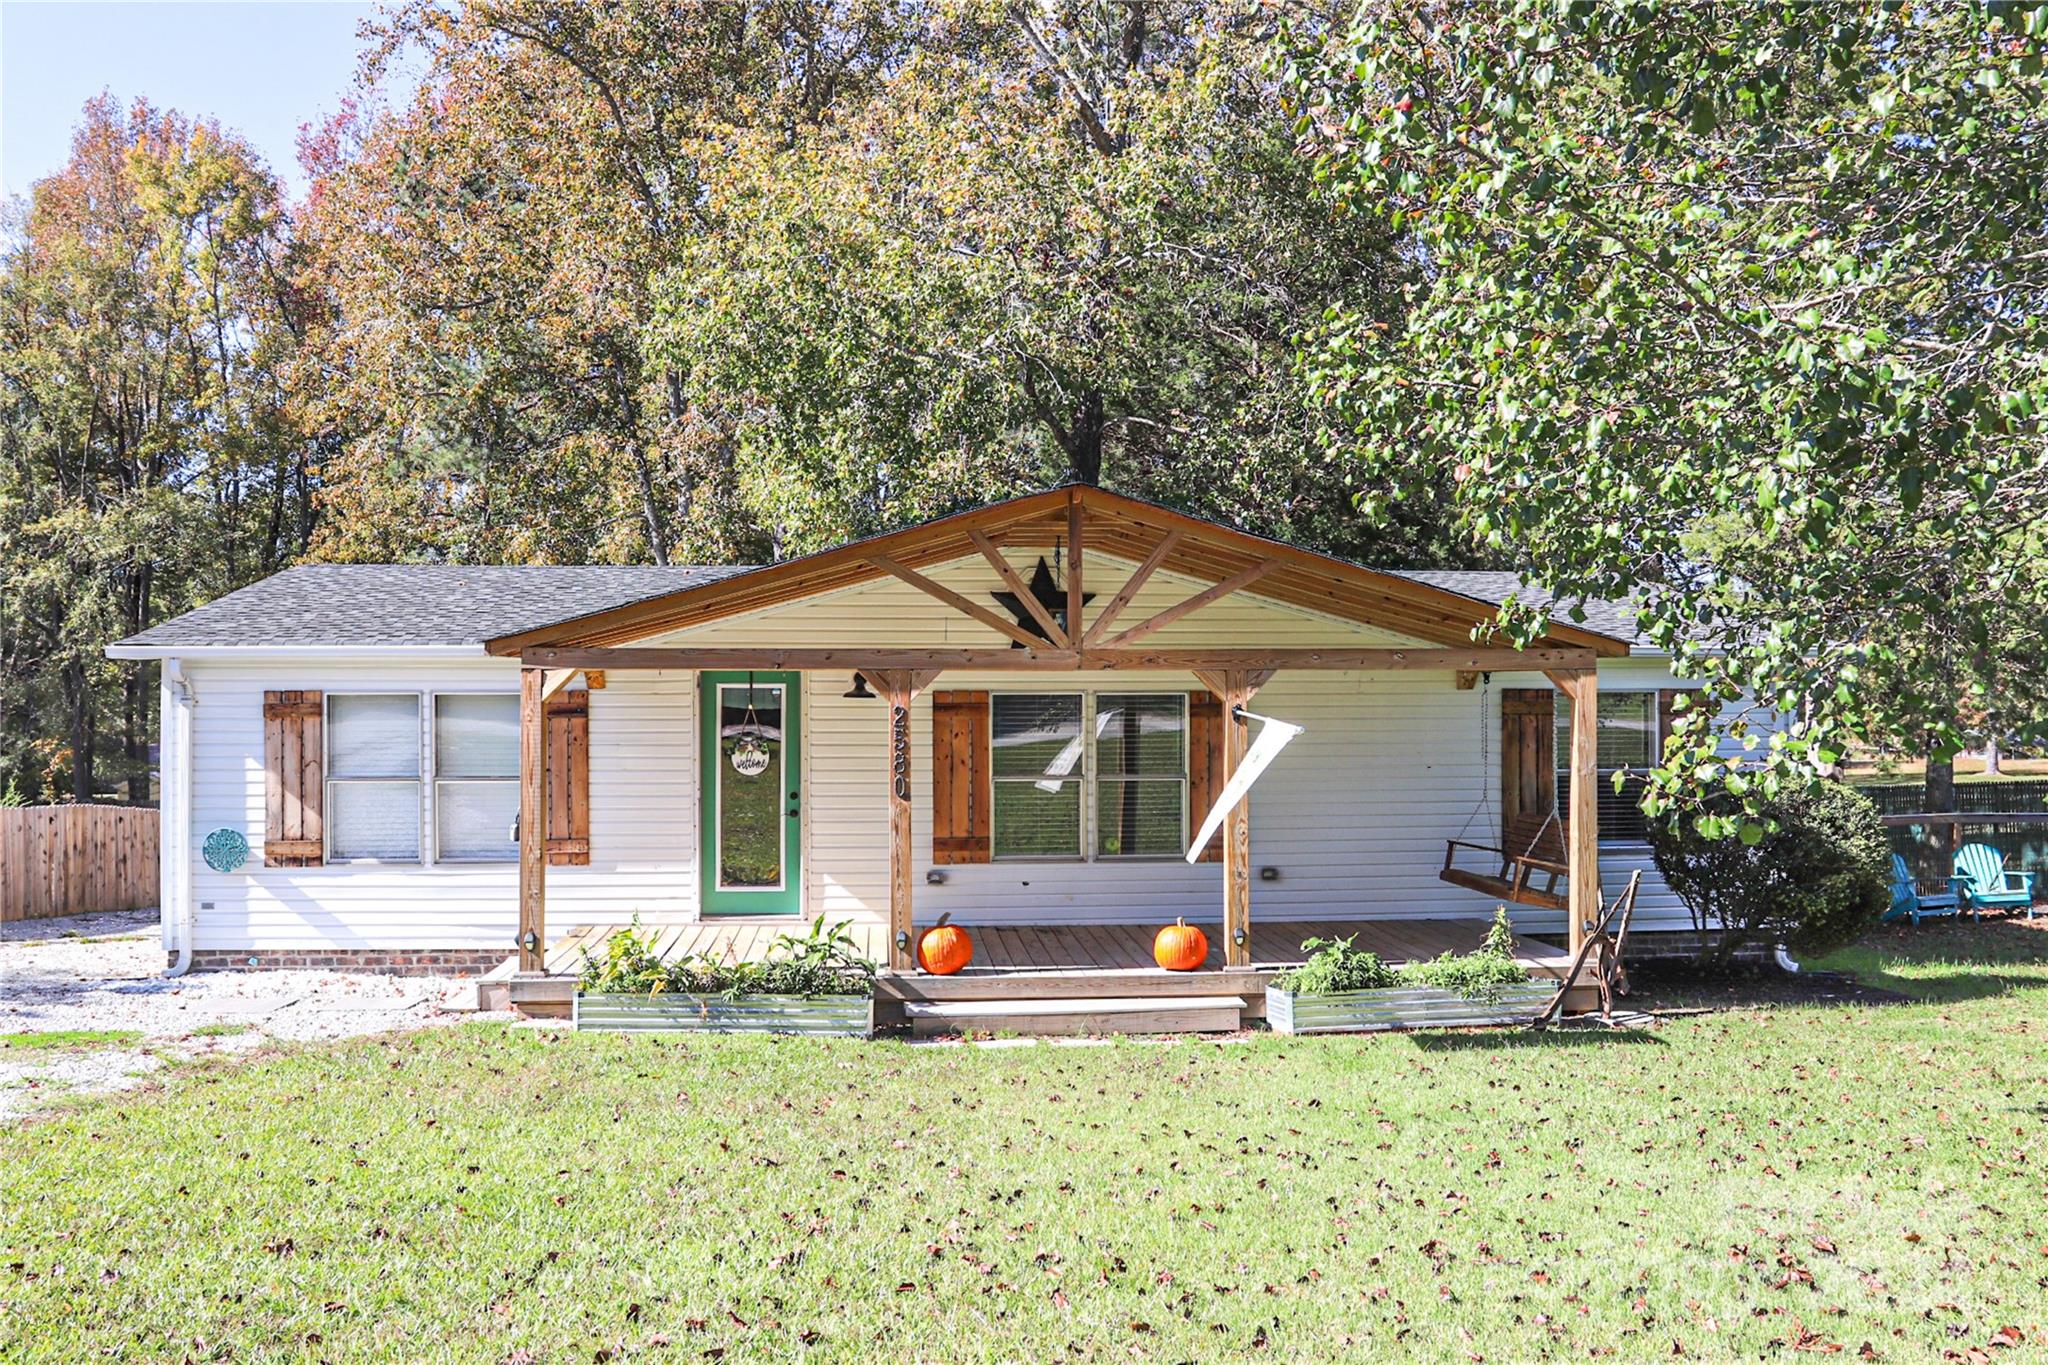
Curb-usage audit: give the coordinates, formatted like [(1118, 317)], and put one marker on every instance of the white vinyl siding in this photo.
[(642, 817), (1353, 815)]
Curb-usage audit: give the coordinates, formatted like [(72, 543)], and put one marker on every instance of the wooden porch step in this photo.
[(1065, 1017)]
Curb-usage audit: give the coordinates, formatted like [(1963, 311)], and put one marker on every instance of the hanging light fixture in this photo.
[(859, 690), (749, 754)]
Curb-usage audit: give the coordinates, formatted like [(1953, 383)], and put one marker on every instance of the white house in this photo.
[(1017, 715)]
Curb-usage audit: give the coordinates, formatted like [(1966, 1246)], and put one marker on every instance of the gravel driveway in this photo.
[(103, 974)]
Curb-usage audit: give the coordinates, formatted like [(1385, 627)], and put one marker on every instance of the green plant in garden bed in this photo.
[(824, 961), (1335, 966)]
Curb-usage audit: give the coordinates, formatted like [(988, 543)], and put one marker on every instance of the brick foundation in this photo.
[(388, 962)]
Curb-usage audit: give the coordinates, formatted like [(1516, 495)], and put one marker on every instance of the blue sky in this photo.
[(262, 69)]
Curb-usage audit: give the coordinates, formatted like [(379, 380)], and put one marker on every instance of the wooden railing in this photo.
[(71, 860)]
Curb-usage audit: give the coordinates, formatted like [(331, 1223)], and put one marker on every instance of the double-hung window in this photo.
[(1089, 776), (373, 778), (476, 777), (1141, 763), (1625, 740)]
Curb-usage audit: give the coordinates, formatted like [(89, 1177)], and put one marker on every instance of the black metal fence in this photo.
[(1910, 798)]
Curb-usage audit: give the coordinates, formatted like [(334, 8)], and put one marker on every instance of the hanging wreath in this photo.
[(749, 752)]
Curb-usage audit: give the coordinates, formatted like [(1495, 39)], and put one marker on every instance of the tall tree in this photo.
[(1738, 310), (152, 457), (488, 251), (1061, 240)]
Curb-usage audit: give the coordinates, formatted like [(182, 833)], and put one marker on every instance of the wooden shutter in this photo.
[(294, 787), (1528, 753), (961, 796), (1667, 712), (568, 749), (1205, 766)]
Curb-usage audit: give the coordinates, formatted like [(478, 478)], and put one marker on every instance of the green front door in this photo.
[(752, 832)]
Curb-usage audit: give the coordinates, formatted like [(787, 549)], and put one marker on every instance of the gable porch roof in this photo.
[(1113, 524)]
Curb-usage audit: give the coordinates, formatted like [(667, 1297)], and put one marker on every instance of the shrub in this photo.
[(1814, 874), (1335, 965), (824, 961)]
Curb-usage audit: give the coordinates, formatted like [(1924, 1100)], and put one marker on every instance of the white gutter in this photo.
[(175, 838)]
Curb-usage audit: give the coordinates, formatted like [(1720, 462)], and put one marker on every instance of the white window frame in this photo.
[(328, 781), (1603, 778), (1087, 776), (433, 781)]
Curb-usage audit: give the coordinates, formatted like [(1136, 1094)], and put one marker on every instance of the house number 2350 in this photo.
[(899, 752)]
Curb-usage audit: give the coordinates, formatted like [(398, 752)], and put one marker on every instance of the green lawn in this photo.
[(1741, 1184)]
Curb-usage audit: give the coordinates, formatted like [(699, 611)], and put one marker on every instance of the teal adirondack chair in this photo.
[(1982, 883), (1909, 904)]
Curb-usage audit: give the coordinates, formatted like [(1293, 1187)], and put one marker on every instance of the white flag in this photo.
[(1273, 736)]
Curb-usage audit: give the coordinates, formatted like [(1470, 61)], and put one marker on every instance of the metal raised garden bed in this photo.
[(1402, 1007), (822, 1016)]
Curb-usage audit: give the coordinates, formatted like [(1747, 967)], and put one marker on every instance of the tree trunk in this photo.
[(1940, 796), (1992, 767), (81, 732), (1084, 444)]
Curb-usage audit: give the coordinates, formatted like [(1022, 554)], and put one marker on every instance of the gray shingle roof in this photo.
[(1494, 585), (414, 604), (455, 604)]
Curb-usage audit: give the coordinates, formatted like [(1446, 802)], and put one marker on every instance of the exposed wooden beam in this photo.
[(556, 680), (958, 602), (533, 834), (1163, 619), (1247, 680), (1137, 580), (861, 660), (1468, 678), (1021, 590), (1375, 659), (1075, 597)]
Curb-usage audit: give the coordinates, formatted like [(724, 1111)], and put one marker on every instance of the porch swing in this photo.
[(1528, 866)]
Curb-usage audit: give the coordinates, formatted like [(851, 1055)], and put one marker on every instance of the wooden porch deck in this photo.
[(1015, 961)]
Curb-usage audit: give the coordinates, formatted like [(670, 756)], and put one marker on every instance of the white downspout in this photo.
[(175, 842), (1787, 962)]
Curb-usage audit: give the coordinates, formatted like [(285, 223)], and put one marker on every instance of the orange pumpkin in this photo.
[(944, 948), (1180, 947)]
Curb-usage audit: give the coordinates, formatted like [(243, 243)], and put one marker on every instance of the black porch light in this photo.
[(859, 690)]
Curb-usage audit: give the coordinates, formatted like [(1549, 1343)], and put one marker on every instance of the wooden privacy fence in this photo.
[(68, 860)]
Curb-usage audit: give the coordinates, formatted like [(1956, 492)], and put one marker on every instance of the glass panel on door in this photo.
[(749, 811)]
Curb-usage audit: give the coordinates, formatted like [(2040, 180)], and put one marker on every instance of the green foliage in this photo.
[(1334, 966), (152, 452), (1812, 871), (1054, 242), (1733, 310), (823, 961), (1478, 975)]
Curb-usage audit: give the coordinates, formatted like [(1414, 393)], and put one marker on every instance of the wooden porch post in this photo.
[(1582, 852), (897, 689), (533, 834), (1235, 688), (1237, 831)]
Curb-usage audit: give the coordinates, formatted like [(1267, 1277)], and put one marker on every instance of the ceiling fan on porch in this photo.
[(1050, 594)]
